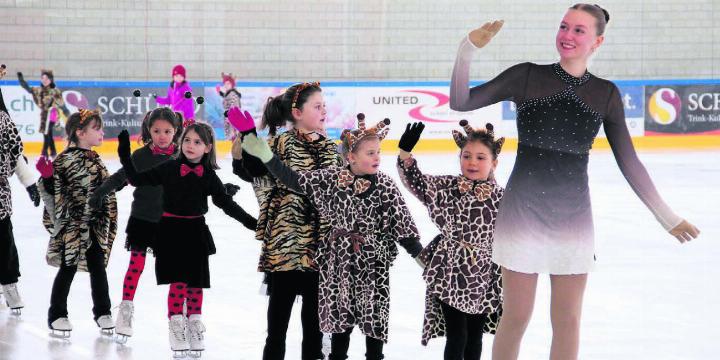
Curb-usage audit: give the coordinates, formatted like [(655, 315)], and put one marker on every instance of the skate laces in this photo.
[(126, 311), (196, 329), (176, 326)]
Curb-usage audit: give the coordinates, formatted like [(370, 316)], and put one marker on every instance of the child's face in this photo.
[(311, 116), (476, 161), (45, 80), (227, 85), (365, 160), (162, 133), (178, 78), (193, 147), (91, 135)]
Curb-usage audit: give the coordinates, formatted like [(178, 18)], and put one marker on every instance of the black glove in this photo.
[(412, 246), (20, 76), (34, 194), (250, 223), (231, 189), (411, 136), (124, 145), (96, 200)]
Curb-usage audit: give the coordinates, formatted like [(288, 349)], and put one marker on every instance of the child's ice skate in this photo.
[(123, 323), (12, 298), (61, 328), (178, 342), (195, 330), (106, 325)]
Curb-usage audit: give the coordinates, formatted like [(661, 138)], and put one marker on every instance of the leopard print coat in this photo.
[(11, 149), (459, 270), (367, 217), (68, 217)]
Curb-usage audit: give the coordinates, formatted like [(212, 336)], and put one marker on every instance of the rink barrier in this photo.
[(435, 142)]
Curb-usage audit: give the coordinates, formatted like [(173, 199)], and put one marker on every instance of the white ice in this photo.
[(650, 297)]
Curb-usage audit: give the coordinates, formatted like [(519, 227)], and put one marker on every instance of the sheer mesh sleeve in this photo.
[(509, 85), (631, 167)]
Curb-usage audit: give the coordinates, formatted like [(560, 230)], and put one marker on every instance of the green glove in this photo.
[(257, 147)]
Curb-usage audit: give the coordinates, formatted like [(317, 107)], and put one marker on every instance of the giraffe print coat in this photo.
[(367, 217), (459, 270)]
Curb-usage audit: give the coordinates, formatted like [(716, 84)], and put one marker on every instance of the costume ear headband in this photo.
[(86, 114), (380, 130), (461, 140)]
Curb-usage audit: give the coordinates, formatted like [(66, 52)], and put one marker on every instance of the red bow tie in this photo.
[(156, 150), (198, 170)]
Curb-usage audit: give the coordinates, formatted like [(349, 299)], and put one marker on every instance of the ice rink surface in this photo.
[(649, 298)]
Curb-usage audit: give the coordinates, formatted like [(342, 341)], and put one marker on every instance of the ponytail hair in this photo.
[(278, 109)]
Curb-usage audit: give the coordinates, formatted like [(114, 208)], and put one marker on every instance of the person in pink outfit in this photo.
[(179, 95)]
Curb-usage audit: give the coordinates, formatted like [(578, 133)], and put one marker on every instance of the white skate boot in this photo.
[(61, 328), (123, 323), (195, 335), (106, 325), (12, 298), (178, 342)]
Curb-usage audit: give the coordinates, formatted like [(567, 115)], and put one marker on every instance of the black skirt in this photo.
[(141, 234), (182, 250)]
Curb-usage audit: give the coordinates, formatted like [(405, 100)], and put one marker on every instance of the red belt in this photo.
[(167, 214)]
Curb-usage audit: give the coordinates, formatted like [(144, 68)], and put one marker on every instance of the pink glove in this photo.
[(242, 122), (45, 167), (218, 89), (53, 115)]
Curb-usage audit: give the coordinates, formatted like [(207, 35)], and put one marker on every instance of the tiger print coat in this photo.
[(288, 225), (77, 173), (367, 217), (11, 148), (459, 270)]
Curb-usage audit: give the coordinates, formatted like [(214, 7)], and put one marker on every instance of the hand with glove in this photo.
[(410, 138), (231, 189), (34, 194), (243, 122), (482, 35), (53, 117), (45, 166), (124, 145), (258, 148), (96, 200)]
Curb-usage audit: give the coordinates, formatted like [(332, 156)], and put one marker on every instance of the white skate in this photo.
[(123, 323), (178, 342), (105, 323), (195, 330), (12, 298), (61, 328)]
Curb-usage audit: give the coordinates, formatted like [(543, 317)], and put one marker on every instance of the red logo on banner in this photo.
[(416, 112)]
